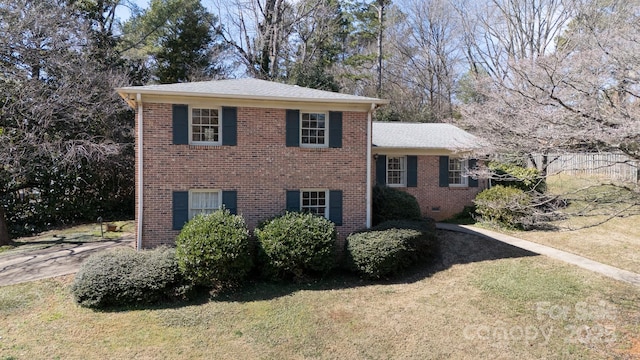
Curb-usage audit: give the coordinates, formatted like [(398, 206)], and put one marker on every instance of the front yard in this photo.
[(482, 299), (615, 241)]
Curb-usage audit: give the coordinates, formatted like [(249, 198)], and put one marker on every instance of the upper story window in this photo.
[(203, 202), (205, 126), (396, 171), (457, 168), (313, 130)]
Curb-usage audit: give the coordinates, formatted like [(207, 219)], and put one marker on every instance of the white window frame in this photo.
[(464, 179), (210, 143), (326, 202), (403, 171), (192, 213), (326, 130)]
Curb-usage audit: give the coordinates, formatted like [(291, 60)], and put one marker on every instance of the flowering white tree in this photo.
[(571, 88)]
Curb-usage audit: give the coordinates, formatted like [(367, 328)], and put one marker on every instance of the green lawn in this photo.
[(482, 299), (615, 241)]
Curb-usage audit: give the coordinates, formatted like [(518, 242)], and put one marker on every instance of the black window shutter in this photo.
[(230, 126), (444, 171), (335, 129), (381, 170), (335, 206), (180, 124), (293, 128), (293, 200), (472, 182), (412, 171), (230, 201), (180, 207)]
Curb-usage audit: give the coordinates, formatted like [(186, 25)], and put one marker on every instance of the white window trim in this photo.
[(404, 173), (326, 129), (208, 143), (463, 169), (219, 192), (326, 196)]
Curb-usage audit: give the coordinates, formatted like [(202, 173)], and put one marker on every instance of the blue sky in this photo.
[(123, 12)]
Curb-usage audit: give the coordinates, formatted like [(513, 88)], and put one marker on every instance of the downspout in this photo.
[(140, 177), (369, 134)]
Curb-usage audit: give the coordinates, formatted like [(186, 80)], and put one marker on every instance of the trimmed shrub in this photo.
[(297, 244), (504, 206), (523, 178), (391, 247), (466, 216), (214, 249), (393, 204), (127, 277)]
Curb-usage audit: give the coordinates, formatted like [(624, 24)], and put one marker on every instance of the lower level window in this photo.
[(457, 168), (396, 171), (315, 202), (203, 202)]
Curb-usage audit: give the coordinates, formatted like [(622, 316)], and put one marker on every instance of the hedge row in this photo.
[(215, 251)]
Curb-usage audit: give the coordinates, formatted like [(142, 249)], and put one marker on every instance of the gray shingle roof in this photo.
[(422, 136), (249, 89)]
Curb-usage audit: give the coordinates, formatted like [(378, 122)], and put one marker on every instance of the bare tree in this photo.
[(258, 31), (500, 32), (316, 44), (424, 59), (570, 90), (58, 105)]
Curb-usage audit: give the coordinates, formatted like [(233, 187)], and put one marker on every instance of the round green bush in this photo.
[(391, 247), (512, 175), (393, 204), (127, 277), (296, 245), (503, 205), (425, 245), (214, 249)]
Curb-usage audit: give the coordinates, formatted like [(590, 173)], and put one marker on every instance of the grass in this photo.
[(615, 241), (481, 299)]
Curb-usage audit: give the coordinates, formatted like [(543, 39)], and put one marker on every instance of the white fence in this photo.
[(615, 166)]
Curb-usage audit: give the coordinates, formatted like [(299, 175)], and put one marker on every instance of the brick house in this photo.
[(252, 146), (429, 161)]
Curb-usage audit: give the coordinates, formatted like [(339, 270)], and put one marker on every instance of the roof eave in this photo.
[(124, 92), (406, 150)]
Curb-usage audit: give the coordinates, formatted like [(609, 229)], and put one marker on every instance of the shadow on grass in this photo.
[(454, 248)]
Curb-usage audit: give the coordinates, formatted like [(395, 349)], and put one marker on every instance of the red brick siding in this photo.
[(260, 168), (430, 196)]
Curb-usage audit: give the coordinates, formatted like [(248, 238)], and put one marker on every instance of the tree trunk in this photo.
[(4, 229), (381, 5)]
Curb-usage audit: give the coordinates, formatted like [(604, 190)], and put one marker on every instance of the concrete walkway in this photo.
[(606, 270), (56, 260)]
